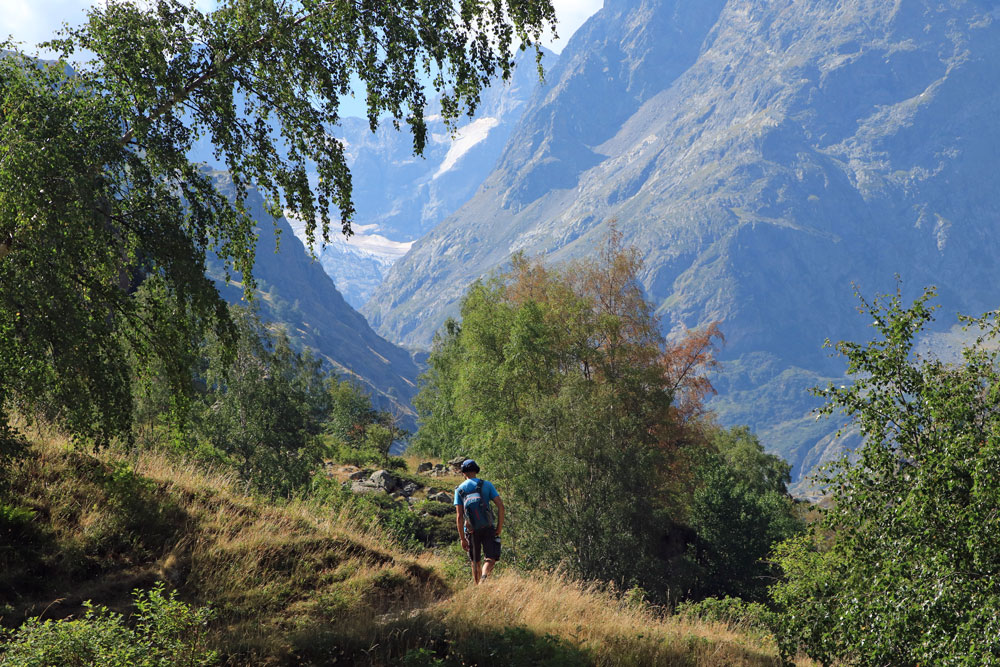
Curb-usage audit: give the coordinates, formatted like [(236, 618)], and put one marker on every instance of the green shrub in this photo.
[(729, 610), (167, 632), (14, 518), (904, 566), (364, 457), (422, 657)]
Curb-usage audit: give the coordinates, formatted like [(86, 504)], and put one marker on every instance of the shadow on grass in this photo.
[(85, 525), (434, 646)]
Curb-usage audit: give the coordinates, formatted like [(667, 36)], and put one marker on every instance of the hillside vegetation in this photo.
[(304, 581), (182, 484)]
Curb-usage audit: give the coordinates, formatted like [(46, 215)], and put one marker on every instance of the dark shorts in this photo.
[(484, 542)]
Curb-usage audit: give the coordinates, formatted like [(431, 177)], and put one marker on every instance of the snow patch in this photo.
[(465, 139), (360, 243)]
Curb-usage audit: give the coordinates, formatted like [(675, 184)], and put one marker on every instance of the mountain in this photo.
[(294, 291), (762, 155), (400, 197)]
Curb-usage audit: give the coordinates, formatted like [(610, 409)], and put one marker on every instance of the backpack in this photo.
[(477, 509)]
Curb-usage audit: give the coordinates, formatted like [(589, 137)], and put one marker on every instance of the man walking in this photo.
[(475, 519)]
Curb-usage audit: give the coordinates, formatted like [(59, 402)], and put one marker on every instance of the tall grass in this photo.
[(598, 625), (306, 582)]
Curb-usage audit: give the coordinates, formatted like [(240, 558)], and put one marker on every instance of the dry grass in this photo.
[(299, 583), (288, 579), (606, 630)]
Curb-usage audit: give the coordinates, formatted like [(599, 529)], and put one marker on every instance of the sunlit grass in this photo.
[(298, 581)]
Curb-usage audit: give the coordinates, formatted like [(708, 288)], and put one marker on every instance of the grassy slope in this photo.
[(299, 583)]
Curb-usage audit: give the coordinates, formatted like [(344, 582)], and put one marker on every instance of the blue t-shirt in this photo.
[(469, 485)]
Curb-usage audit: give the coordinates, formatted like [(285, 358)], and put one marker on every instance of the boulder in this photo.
[(409, 489), (441, 497), (457, 462), (360, 475), (425, 467), (365, 488), (385, 480)]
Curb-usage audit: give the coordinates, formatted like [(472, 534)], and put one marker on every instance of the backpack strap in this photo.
[(462, 493)]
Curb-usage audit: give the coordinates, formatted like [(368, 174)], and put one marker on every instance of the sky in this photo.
[(33, 21)]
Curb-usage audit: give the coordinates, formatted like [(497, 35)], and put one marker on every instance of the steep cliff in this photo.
[(294, 291)]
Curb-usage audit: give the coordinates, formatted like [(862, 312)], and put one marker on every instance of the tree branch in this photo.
[(209, 73)]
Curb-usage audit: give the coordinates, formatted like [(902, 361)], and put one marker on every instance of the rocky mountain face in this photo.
[(294, 291), (762, 155), (400, 197)]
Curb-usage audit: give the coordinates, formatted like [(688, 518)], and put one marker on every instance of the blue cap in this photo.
[(468, 465)]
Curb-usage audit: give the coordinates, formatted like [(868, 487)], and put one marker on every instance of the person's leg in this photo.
[(491, 550), (475, 551)]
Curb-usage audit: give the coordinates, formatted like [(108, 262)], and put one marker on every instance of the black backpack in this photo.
[(477, 508)]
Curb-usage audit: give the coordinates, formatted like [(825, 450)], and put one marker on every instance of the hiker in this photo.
[(475, 519)]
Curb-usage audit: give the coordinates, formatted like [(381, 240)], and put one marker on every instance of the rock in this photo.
[(441, 497), (365, 488), (457, 462), (425, 467), (360, 474), (384, 479), (409, 489)]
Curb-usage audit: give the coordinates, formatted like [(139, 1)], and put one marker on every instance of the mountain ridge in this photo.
[(294, 291), (805, 148)]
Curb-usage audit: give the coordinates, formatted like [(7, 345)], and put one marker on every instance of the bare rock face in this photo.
[(762, 156)]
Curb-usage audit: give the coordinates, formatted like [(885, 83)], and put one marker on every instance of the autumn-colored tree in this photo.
[(560, 382)]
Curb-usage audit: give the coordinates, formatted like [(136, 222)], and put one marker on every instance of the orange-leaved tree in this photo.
[(560, 381)]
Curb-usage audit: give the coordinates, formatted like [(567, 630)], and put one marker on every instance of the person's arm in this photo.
[(500, 511), (460, 522)]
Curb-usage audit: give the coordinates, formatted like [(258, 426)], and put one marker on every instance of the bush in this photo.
[(904, 568), (167, 632), (731, 611), (364, 457), (740, 510)]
